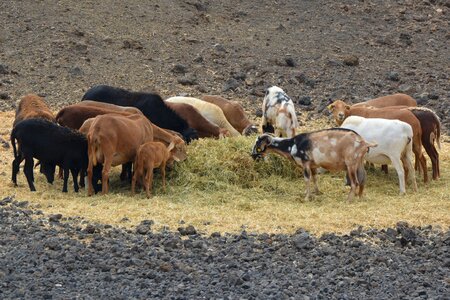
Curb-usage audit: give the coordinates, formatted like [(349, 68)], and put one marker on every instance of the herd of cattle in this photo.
[(141, 131)]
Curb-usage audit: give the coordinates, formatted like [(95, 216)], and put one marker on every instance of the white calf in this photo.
[(209, 111), (278, 113), (394, 144)]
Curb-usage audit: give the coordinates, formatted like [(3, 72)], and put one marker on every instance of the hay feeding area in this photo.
[(220, 188)]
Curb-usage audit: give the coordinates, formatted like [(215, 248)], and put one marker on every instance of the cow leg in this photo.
[(148, 183), (28, 170), (314, 180), (417, 149), (90, 170), (163, 175), (307, 176), (353, 178), (400, 172), (65, 178), (16, 168), (74, 172), (434, 157), (105, 173), (135, 177), (409, 168)]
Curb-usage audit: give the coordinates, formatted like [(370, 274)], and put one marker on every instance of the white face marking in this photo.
[(294, 150), (333, 142)]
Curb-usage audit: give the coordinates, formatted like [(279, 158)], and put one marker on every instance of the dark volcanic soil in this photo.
[(55, 258), (315, 50)]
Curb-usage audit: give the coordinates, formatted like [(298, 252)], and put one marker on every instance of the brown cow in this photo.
[(149, 156), (73, 116), (109, 106), (113, 140), (341, 111), (195, 120), (234, 113), (389, 100), (32, 106)]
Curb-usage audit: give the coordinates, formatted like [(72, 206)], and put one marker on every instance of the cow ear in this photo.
[(347, 107), (175, 158), (330, 107), (171, 146)]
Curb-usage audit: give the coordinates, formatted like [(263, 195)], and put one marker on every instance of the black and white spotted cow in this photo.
[(278, 113), (334, 149)]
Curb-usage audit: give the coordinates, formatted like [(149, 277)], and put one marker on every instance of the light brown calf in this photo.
[(32, 106), (168, 137), (73, 116), (341, 111), (389, 100), (195, 120), (234, 113), (149, 156), (114, 140)]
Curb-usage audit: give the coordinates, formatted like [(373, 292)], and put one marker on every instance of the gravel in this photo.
[(57, 257)]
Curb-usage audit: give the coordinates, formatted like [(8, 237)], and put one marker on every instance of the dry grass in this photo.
[(220, 188)]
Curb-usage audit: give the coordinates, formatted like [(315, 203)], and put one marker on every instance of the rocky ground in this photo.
[(53, 257), (315, 50)]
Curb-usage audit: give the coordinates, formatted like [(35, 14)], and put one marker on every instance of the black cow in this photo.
[(151, 105), (52, 145)]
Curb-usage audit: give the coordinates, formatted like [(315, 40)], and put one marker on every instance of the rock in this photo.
[(55, 217), (219, 48), (143, 229), (4, 69), (305, 100), (6, 200), (198, 59), (5, 144), (90, 229), (231, 84), (433, 96), (290, 62), (4, 96), (189, 230), (393, 76), (405, 38), (302, 241), (422, 99), (76, 71), (351, 60), (132, 44), (335, 63), (179, 69), (188, 80)]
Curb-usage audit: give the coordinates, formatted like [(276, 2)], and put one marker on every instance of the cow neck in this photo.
[(281, 146)]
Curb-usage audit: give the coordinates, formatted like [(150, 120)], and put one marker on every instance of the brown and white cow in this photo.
[(334, 149)]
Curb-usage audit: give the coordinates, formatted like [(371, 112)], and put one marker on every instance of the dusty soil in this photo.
[(315, 50)]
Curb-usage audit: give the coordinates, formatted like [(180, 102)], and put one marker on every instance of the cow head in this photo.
[(178, 149), (260, 147), (340, 111)]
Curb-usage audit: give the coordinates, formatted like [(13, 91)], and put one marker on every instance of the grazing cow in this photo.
[(389, 100), (151, 105), (73, 116), (149, 156), (431, 133), (113, 140), (195, 120), (209, 111), (32, 106), (52, 145), (334, 149), (109, 106), (394, 144), (278, 113), (166, 137), (234, 113), (341, 111)]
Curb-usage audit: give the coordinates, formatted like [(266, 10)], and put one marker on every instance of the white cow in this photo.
[(394, 144), (209, 111), (278, 113)]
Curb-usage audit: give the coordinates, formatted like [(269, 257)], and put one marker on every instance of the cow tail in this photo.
[(13, 142), (92, 144)]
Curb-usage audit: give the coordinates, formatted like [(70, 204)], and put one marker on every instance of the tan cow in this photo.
[(234, 113), (32, 106)]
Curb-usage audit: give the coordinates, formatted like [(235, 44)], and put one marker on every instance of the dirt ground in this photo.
[(315, 50)]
